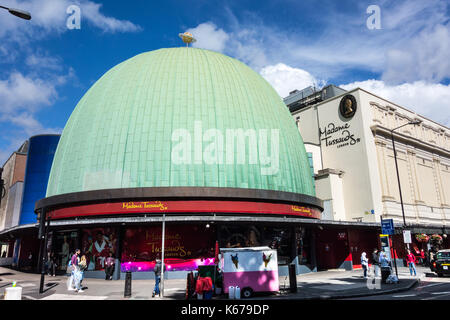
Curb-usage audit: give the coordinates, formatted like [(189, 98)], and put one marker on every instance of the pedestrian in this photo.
[(422, 257), (427, 258), (364, 263), (157, 271), (83, 266), (77, 273), (376, 262), (73, 265), (51, 264), (410, 260), (384, 260), (109, 266)]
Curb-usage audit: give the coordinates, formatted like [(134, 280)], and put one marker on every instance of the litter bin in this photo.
[(13, 293), (385, 272)]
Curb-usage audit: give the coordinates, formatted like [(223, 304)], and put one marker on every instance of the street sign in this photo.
[(387, 226), (407, 236)]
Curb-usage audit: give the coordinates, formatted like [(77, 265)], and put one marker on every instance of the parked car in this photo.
[(441, 263)]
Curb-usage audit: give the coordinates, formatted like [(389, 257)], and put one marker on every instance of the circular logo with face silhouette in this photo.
[(347, 107)]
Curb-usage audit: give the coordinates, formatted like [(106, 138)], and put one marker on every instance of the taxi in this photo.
[(441, 264)]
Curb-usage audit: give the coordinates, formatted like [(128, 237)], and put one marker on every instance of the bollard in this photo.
[(127, 292), (237, 292), (292, 278), (231, 292)]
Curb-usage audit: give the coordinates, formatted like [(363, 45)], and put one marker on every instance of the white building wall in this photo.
[(369, 181), (352, 157)]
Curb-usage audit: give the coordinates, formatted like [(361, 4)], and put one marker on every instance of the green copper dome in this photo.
[(147, 123)]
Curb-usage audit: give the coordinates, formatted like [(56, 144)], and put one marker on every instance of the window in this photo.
[(311, 166), (443, 255)]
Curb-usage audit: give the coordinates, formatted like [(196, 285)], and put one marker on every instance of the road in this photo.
[(431, 288)]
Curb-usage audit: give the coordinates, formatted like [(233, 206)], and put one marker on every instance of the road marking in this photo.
[(175, 289), (25, 285), (431, 298), (80, 296), (444, 292), (433, 284)]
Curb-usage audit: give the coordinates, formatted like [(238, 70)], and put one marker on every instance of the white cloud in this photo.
[(209, 37), (285, 79), (39, 61), (413, 44), (91, 12), (50, 16), (22, 97), (426, 57), (22, 92), (431, 100)]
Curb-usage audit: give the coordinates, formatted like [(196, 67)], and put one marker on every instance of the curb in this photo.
[(357, 295)]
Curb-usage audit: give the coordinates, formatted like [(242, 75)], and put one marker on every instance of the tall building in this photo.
[(26, 175), (349, 137), (12, 176)]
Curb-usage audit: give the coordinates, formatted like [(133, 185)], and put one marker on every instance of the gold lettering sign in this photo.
[(301, 209), (144, 205)]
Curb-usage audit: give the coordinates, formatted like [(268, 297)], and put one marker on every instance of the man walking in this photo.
[(376, 262), (157, 272)]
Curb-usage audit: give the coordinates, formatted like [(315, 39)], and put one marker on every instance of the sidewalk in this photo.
[(318, 285), (347, 284)]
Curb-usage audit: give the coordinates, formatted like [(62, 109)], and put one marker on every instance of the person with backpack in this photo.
[(157, 271)]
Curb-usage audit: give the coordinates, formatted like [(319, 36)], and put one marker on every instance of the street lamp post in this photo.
[(2, 186), (18, 13), (396, 166), (398, 182)]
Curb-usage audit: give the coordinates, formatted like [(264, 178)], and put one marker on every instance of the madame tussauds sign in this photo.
[(340, 136)]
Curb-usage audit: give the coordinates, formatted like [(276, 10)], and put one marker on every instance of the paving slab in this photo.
[(333, 284)]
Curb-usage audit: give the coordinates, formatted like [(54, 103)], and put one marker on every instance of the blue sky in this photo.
[(45, 68)]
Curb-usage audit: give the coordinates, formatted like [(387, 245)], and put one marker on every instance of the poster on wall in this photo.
[(186, 247), (97, 244)]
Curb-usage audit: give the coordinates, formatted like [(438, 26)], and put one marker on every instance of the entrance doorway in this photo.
[(332, 249)]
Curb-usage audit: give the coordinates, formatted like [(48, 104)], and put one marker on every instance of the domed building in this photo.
[(188, 136)]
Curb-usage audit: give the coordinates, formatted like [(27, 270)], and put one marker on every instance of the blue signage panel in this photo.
[(387, 226)]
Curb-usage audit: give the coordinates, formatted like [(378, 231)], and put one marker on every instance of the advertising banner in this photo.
[(186, 247)]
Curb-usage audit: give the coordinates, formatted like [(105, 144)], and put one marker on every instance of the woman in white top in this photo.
[(364, 263)]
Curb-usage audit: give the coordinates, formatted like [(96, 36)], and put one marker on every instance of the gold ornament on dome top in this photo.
[(187, 38)]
